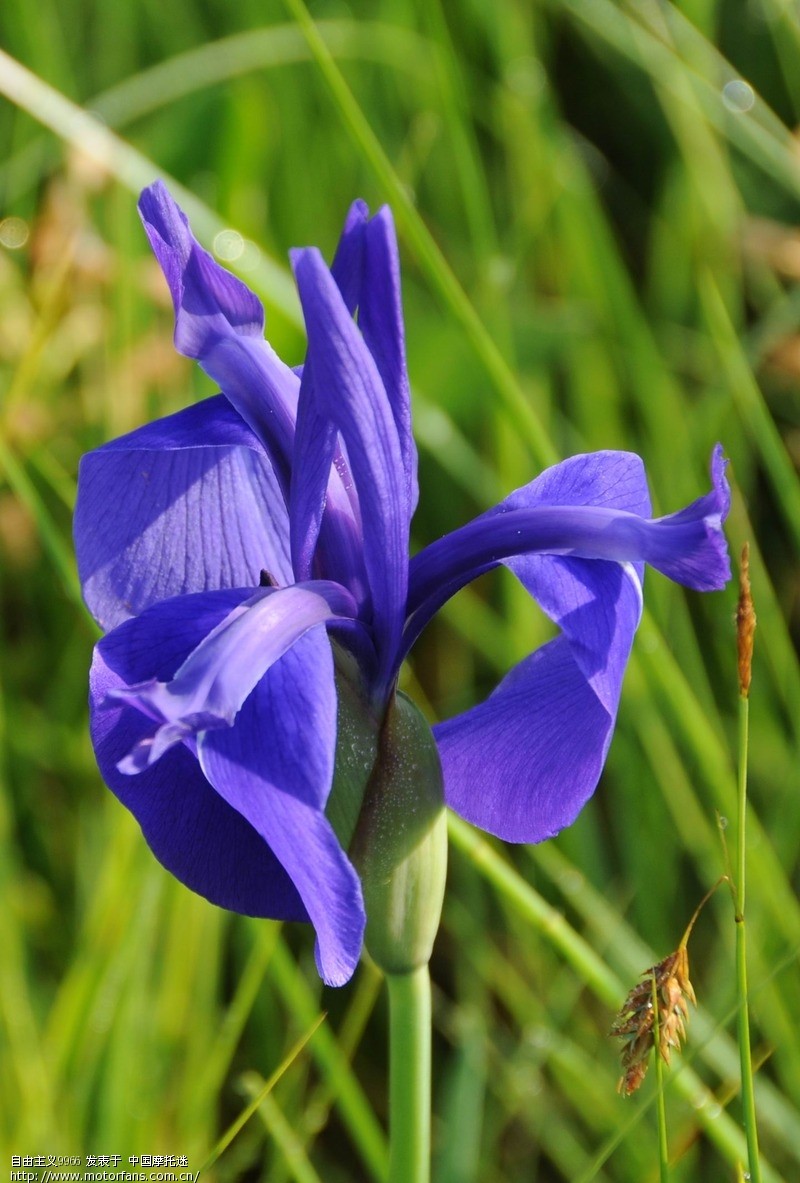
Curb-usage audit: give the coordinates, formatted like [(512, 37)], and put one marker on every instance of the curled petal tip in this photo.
[(689, 546), (137, 759), (719, 563), (719, 463)]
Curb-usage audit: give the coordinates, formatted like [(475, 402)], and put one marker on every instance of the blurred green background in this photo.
[(597, 204)]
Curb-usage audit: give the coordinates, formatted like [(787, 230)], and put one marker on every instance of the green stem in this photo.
[(661, 1109), (748, 1091), (409, 1076)]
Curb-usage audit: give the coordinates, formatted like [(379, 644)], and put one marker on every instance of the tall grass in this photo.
[(599, 252)]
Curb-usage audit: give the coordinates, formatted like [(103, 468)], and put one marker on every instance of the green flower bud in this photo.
[(357, 731), (400, 844)]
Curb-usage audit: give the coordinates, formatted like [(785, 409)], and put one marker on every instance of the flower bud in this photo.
[(400, 843), (357, 731)]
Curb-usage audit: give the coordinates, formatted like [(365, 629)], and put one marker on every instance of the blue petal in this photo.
[(191, 830), (347, 267), (323, 503), (220, 323), (210, 687), (549, 723), (315, 444), (349, 391), (597, 604), (188, 503), (367, 271), (523, 763), (275, 768), (688, 546)]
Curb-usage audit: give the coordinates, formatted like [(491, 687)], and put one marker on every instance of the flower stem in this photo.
[(748, 1091), (409, 1076)]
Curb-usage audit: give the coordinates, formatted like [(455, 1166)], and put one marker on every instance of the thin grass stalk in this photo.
[(661, 1108), (745, 631), (430, 257), (745, 1056)]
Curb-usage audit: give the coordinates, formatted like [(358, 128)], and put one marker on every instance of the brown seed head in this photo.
[(745, 624), (669, 983)]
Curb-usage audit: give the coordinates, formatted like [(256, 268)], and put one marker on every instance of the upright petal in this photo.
[(220, 323), (315, 444), (347, 267), (212, 684), (192, 831), (278, 778), (325, 518), (350, 392), (186, 504), (367, 271)]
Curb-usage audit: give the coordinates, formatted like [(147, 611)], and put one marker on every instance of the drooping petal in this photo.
[(210, 687), (191, 830), (349, 391), (549, 723), (220, 323), (523, 763), (597, 604), (277, 775), (688, 546), (185, 504)]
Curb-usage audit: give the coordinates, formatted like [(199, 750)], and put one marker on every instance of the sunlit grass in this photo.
[(598, 252)]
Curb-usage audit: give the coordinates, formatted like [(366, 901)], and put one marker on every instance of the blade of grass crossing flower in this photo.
[(280, 1131), (145, 91), (428, 253), (130, 167), (471, 183), (226, 1139)]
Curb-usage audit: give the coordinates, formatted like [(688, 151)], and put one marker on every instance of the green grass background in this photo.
[(599, 252)]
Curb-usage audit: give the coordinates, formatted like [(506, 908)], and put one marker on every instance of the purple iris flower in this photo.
[(232, 549)]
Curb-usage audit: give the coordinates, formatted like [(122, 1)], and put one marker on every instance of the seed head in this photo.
[(667, 984), (745, 624)]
